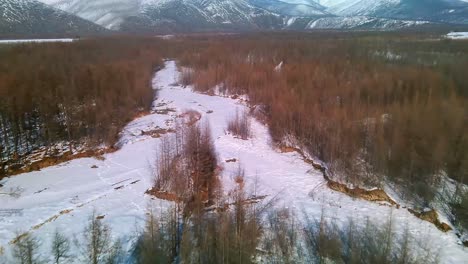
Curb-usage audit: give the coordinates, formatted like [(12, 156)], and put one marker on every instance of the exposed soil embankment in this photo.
[(172, 197), (157, 133), (164, 195), (51, 156), (431, 217), (28, 163), (375, 195)]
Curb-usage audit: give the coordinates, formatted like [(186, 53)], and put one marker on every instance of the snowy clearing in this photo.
[(457, 35), (64, 196), (17, 41)]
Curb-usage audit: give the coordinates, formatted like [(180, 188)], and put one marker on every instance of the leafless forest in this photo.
[(375, 108), (83, 92), (387, 109)]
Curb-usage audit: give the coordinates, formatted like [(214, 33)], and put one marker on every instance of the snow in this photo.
[(78, 187), (279, 67), (214, 12), (14, 41), (291, 21), (291, 8), (107, 13), (356, 7), (340, 13), (457, 35), (389, 55), (361, 22)]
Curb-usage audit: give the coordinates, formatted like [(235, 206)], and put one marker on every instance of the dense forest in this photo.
[(79, 93)]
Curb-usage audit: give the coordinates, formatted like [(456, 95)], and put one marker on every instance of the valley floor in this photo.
[(64, 196)]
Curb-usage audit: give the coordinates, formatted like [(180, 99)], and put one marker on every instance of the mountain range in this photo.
[(169, 16), (33, 18)]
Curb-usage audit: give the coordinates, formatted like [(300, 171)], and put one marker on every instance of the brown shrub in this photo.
[(186, 165), (239, 125)]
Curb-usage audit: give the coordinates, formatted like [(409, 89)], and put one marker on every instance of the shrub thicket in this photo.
[(239, 125), (186, 164)]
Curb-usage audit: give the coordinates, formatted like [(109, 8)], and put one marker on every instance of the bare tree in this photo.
[(282, 241), (98, 245), (116, 254), (25, 250), (239, 125), (325, 241), (60, 248), (155, 244)]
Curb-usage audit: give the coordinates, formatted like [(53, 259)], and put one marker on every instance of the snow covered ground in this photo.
[(457, 35), (64, 196), (13, 41)]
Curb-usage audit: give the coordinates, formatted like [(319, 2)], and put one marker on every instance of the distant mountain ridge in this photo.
[(169, 16), (444, 11), (107, 13), (439, 11), (33, 18), (294, 9)]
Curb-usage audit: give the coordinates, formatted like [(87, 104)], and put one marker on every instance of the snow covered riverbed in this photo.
[(64, 196)]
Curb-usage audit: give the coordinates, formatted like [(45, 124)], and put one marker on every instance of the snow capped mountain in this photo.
[(107, 13), (356, 7), (439, 11), (30, 17), (173, 13), (201, 15), (362, 22), (296, 8), (167, 16)]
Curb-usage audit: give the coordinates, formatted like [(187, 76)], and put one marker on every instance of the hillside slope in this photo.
[(107, 13), (202, 15), (440, 11), (169, 16), (32, 18)]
